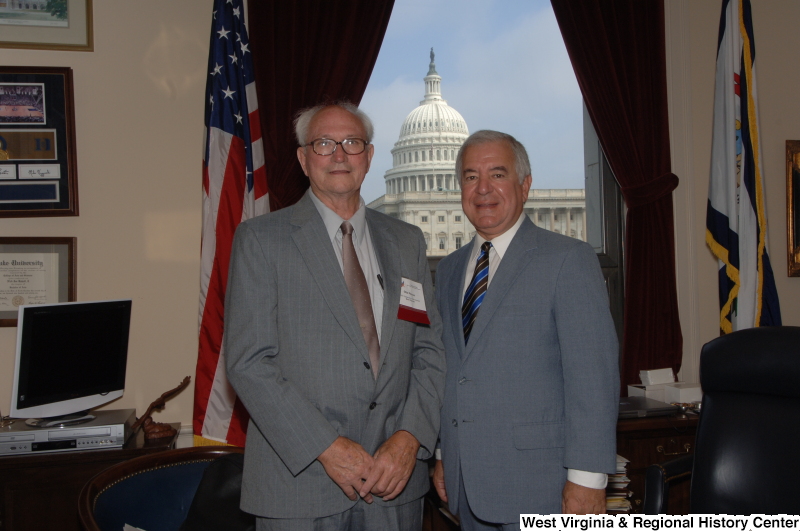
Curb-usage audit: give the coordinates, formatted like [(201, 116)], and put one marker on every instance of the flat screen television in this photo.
[(71, 357)]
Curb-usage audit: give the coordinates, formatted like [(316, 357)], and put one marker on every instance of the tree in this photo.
[(57, 8)]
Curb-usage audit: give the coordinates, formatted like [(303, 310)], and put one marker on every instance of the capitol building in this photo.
[(423, 189)]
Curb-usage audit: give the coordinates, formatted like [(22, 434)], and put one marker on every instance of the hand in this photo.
[(348, 465), (438, 480), (394, 463), (576, 499)]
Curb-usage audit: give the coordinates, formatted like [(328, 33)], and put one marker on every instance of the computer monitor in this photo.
[(71, 357)]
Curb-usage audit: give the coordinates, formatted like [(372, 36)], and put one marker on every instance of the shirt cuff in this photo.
[(592, 480), (438, 454)]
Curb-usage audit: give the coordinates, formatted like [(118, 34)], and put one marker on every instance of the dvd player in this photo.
[(109, 429)]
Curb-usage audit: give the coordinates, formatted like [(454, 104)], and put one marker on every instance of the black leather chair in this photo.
[(157, 492), (746, 458)]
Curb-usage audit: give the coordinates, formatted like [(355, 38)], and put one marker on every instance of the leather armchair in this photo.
[(746, 459), (156, 491)]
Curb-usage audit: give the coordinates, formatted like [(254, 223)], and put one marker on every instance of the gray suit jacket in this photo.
[(536, 391), (298, 361)]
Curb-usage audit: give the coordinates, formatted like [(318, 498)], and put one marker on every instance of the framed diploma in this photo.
[(35, 271), (38, 168)]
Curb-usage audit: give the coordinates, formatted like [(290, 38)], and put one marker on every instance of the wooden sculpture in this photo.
[(157, 430)]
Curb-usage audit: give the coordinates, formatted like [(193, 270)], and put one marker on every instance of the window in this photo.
[(441, 219), (458, 242), (458, 218), (442, 243), (416, 156), (424, 219)]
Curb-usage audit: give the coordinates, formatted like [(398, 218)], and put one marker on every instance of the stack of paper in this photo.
[(617, 492)]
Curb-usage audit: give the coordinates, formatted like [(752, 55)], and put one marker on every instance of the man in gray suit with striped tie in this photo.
[(532, 388), (333, 344)]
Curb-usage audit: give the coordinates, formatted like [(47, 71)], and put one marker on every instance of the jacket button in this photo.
[(366, 365), (455, 423), (372, 405), (462, 380)]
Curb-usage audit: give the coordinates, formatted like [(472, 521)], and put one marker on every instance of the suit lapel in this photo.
[(455, 295), (314, 245), (516, 257), (384, 242)]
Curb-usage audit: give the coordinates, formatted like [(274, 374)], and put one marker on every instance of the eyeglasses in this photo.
[(326, 147)]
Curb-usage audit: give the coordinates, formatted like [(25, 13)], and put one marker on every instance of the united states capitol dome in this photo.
[(423, 158)]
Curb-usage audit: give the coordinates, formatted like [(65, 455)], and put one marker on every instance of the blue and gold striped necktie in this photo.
[(476, 291)]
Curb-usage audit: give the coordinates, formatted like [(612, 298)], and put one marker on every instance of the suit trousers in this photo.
[(362, 516)]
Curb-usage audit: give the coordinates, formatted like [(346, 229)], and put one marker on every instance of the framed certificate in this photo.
[(35, 271), (38, 170)]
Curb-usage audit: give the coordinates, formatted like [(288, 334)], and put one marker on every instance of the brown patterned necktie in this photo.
[(359, 294)]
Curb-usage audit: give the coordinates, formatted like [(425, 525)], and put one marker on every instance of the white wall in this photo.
[(139, 126)]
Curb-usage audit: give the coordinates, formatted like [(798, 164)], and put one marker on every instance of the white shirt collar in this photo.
[(333, 222), (500, 243)]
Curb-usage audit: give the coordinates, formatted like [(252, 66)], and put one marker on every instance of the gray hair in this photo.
[(303, 119), (521, 163)]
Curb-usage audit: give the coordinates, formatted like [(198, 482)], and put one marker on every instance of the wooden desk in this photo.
[(41, 491), (650, 440)]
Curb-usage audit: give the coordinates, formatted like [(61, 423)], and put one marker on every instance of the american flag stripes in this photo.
[(736, 214), (234, 189)]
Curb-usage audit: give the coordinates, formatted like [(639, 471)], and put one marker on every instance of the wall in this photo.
[(139, 127), (692, 29)]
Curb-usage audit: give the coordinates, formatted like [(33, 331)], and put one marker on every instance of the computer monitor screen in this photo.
[(70, 357)]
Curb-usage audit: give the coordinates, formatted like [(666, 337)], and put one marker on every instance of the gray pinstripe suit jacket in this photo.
[(536, 390), (296, 357)]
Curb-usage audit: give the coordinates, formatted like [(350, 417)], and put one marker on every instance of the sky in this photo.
[(503, 66)]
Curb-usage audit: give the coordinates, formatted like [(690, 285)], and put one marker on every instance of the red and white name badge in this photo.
[(412, 302)]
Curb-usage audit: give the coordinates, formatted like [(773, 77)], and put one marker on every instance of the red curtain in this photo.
[(304, 52), (618, 54)]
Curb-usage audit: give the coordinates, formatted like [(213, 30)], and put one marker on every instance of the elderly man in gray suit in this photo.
[(332, 341), (532, 387)]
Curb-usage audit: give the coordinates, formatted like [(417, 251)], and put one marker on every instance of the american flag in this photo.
[(234, 189)]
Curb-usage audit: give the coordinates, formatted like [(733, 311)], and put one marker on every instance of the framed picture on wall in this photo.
[(38, 167), (35, 271), (793, 205), (47, 25)]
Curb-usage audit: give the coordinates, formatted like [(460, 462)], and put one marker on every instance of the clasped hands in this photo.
[(384, 474)]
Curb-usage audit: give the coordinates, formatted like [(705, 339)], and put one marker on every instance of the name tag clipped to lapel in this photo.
[(412, 302)]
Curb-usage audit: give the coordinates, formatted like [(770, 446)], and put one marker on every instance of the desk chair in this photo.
[(746, 459), (155, 492)]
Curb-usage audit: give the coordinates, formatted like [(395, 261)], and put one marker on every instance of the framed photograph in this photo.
[(47, 25), (793, 205), (38, 168), (35, 271)]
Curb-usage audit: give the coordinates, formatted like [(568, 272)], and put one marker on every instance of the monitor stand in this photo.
[(60, 421)]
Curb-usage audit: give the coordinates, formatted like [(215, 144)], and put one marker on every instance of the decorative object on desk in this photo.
[(66, 27), (38, 163), (35, 270), (157, 430), (793, 205), (5, 421)]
